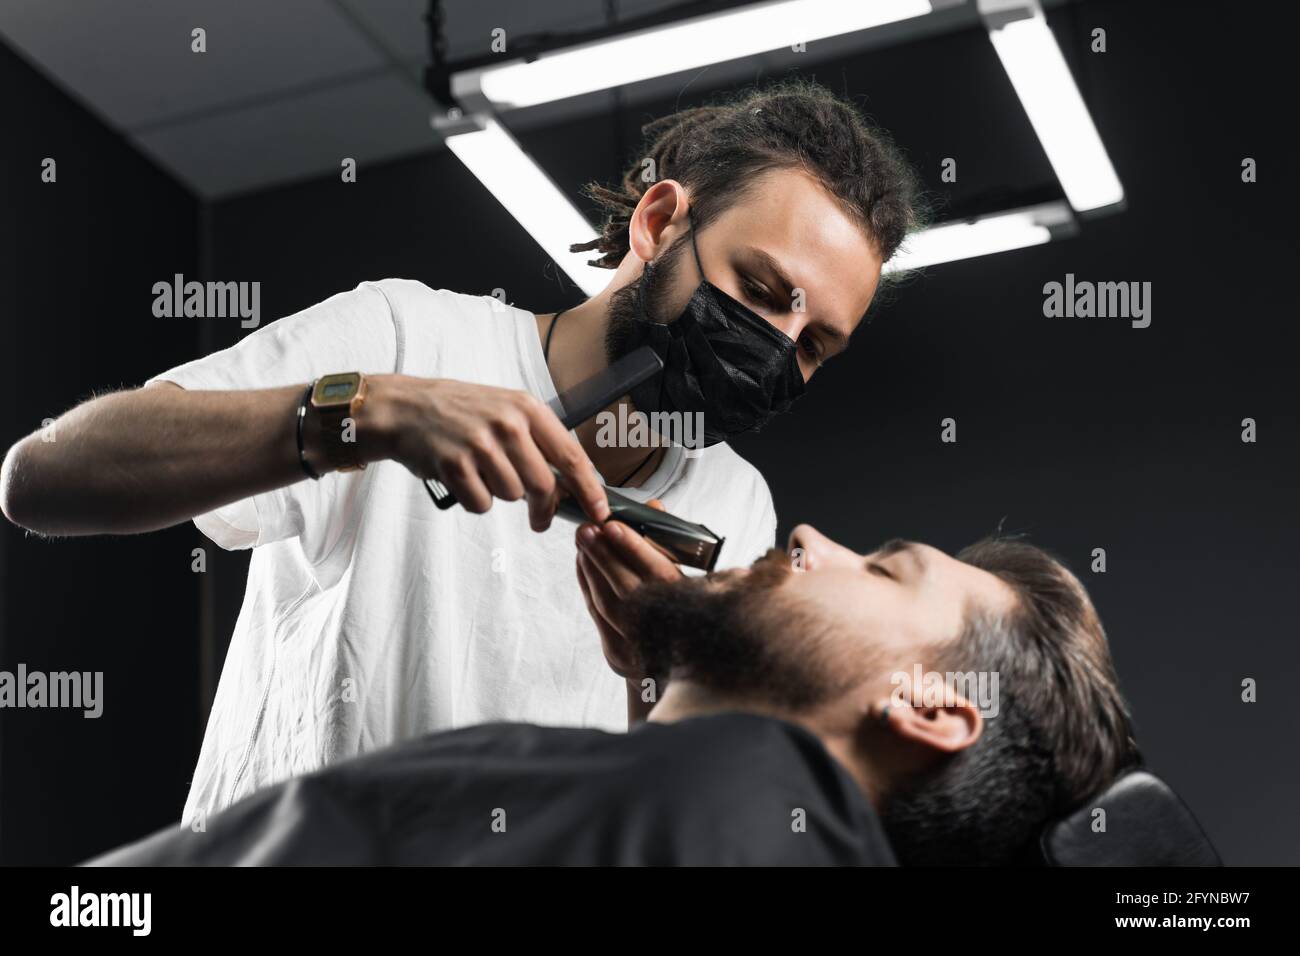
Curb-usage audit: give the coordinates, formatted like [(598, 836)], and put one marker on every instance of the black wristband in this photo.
[(308, 470)]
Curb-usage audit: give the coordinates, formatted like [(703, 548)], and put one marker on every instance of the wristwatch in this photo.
[(336, 399)]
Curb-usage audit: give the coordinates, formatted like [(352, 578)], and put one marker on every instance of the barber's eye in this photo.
[(756, 292), (811, 346)]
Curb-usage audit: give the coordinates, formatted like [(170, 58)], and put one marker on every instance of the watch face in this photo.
[(336, 389)]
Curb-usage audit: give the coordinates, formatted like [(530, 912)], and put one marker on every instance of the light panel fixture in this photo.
[(999, 232), (1038, 72), (685, 45), (1017, 30), (519, 184)]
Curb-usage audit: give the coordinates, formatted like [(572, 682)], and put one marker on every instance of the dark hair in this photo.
[(716, 152), (1062, 732)]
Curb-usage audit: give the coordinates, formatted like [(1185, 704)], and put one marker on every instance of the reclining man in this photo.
[(789, 731)]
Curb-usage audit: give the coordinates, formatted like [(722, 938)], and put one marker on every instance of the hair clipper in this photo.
[(689, 544)]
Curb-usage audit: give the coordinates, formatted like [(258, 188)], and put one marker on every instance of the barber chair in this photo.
[(1146, 825)]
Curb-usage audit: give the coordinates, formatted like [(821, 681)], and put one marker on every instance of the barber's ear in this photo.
[(948, 729), (661, 206)]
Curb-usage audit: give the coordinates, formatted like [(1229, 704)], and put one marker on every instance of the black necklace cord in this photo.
[(550, 330), (640, 465)]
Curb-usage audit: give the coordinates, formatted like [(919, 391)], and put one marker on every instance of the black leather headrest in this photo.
[(1145, 825)]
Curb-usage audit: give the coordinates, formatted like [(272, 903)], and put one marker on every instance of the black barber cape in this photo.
[(730, 789)]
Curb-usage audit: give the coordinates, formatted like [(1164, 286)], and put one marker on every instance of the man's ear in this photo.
[(662, 205), (947, 729)]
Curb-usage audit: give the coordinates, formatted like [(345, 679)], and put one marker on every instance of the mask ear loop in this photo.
[(647, 273), (690, 217)]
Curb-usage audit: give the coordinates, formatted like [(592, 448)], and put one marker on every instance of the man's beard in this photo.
[(736, 636), (626, 304)]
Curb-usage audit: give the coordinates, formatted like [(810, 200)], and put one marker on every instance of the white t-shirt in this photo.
[(370, 616)]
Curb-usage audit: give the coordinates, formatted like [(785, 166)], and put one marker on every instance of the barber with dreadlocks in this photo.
[(371, 617)]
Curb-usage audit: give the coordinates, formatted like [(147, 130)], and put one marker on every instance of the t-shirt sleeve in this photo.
[(351, 331)]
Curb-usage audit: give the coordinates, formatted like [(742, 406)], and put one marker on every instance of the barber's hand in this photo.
[(481, 442), (613, 561)]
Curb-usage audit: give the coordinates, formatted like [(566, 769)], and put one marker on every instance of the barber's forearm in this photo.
[(145, 459)]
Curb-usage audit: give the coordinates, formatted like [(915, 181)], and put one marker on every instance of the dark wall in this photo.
[(1084, 433), (79, 259)]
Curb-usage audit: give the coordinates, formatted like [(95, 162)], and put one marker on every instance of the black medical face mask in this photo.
[(720, 358)]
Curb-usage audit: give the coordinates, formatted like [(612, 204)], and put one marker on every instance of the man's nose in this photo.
[(813, 551), (791, 323)]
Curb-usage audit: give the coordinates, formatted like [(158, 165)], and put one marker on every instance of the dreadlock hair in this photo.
[(717, 153)]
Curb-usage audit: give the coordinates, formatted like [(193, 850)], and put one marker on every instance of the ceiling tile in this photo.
[(294, 138), (397, 24), (131, 61)]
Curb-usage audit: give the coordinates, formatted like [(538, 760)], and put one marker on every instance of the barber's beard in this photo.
[(734, 636), (626, 304)]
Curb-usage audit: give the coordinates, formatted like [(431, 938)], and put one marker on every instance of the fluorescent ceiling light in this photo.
[(687, 45), (1047, 90), (1001, 232), (528, 194), (1017, 30)]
